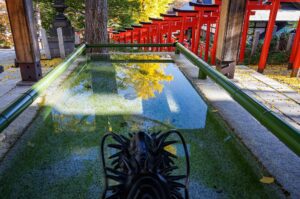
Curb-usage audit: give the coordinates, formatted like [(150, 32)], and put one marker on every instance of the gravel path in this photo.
[(7, 57)]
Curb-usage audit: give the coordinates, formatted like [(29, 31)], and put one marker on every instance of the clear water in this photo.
[(59, 155)]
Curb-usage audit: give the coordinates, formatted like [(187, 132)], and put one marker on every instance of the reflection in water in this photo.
[(179, 104), (145, 78), (62, 122), (153, 90)]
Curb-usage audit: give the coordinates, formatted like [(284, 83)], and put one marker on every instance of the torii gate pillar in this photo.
[(21, 19), (230, 28)]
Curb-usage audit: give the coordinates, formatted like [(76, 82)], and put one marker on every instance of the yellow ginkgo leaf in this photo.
[(171, 149), (267, 180)]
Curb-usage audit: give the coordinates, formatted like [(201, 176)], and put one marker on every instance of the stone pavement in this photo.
[(7, 56), (281, 99), (9, 92), (271, 153)]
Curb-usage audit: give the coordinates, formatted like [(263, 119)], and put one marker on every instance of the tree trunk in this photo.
[(96, 23)]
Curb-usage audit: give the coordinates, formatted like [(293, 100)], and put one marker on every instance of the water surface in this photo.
[(59, 154)]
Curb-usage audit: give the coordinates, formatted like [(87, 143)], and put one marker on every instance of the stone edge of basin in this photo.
[(14, 132)]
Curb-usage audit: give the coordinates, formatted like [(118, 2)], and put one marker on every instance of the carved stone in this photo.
[(61, 21)]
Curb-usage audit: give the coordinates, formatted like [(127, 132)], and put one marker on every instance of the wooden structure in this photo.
[(21, 19), (230, 28)]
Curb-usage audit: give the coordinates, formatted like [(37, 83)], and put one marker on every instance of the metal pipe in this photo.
[(24, 101), (280, 128)]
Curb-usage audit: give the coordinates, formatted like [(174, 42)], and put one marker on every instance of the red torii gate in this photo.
[(268, 37), (115, 36), (161, 29), (273, 6), (295, 53), (149, 28), (174, 24), (137, 32), (250, 6), (210, 14), (130, 31), (189, 21), (205, 16)]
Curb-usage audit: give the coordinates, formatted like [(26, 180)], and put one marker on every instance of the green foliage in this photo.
[(46, 10), (121, 13), (151, 8), (274, 57), (74, 12), (6, 40)]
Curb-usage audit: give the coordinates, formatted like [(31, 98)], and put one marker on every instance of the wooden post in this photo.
[(255, 42), (296, 64), (61, 43), (21, 19), (229, 37), (45, 43)]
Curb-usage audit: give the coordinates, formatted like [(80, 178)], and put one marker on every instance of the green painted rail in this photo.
[(280, 128), (24, 101), (129, 45)]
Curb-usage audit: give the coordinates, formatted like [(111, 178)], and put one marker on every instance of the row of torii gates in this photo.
[(230, 18), (186, 27)]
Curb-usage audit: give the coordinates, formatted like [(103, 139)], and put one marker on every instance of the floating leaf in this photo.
[(30, 144), (227, 138), (267, 180), (171, 149)]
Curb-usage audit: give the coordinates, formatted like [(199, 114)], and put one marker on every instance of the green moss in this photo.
[(220, 162)]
